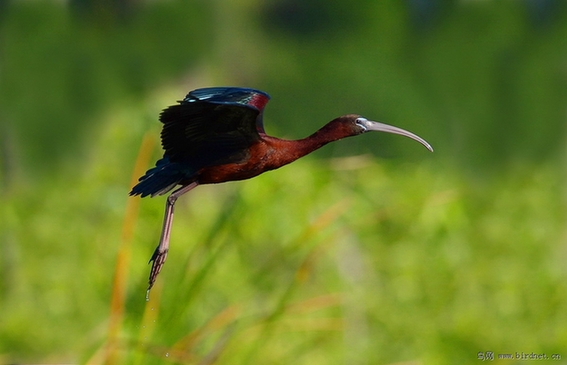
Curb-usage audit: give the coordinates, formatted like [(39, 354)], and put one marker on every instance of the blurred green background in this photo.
[(370, 251)]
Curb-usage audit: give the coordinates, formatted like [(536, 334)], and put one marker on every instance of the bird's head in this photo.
[(352, 125)]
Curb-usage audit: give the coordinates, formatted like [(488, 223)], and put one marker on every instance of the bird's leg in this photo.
[(160, 254)]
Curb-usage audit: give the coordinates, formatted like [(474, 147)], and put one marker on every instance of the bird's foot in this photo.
[(157, 260)]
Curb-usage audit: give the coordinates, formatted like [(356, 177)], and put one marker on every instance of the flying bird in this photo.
[(216, 135)]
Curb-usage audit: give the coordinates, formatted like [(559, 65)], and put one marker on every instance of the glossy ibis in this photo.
[(216, 134)]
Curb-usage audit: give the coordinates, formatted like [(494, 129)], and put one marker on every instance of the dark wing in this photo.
[(223, 95), (213, 126), (237, 96)]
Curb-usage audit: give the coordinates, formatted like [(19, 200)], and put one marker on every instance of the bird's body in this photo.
[(216, 135)]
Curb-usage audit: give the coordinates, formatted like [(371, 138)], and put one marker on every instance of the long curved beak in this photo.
[(381, 127)]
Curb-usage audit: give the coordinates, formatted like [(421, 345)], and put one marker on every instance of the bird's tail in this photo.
[(160, 179)]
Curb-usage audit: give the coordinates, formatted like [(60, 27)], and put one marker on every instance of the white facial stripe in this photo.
[(362, 122)]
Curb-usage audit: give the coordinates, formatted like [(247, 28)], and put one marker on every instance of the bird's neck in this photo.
[(288, 151)]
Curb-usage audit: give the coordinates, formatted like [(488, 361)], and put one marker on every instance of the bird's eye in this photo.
[(362, 123)]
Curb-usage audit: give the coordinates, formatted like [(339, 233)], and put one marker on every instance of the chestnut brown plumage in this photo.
[(216, 135)]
